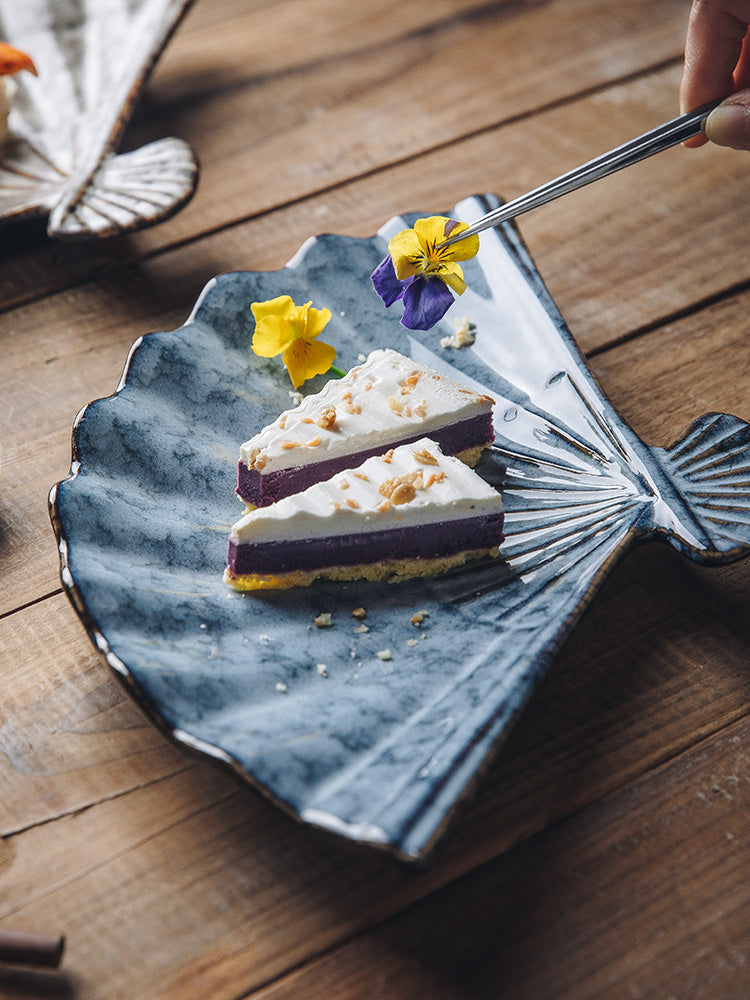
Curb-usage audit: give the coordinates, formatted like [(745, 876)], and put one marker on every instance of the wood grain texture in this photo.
[(603, 853)]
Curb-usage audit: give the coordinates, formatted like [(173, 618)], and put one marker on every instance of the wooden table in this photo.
[(606, 853)]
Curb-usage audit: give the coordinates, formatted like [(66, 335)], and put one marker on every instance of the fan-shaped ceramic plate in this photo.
[(379, 750), (93, 57)]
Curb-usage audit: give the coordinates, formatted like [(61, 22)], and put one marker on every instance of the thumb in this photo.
[(729, 124)]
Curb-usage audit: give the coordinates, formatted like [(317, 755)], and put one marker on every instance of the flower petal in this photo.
[(282, 306), (13, 60), (426, 301), (273, 334), (453, 276), (431, 231), (386, 284), (274, 327), (315, 320), (464, 249), (305, 358), (408, 253)]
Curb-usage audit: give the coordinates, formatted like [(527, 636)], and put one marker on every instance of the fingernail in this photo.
[(729, 125)]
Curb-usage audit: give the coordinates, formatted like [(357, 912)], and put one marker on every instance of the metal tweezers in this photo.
[(657, 139)]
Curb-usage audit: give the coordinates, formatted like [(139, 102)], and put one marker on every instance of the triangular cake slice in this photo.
[(409, 512), (383, 403)]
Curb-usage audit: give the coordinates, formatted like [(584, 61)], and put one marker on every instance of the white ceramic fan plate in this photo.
[(59, 159)]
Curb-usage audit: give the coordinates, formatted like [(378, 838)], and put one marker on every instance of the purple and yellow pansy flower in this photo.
[(422, 272)]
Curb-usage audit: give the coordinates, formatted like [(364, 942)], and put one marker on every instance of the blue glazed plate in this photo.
[(378, 750)]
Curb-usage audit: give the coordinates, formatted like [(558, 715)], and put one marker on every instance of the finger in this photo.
[(713, 49), (729, 124)]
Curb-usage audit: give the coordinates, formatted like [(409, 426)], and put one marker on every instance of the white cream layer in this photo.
[(412, 485), (384, 400)]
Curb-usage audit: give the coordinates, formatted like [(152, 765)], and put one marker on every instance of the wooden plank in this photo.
[(320, 114), (640, 895)]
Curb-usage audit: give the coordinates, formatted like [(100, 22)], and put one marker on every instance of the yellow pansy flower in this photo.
[(281, 327)]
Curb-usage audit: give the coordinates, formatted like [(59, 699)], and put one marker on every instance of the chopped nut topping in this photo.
[(420, 410), (395, 404), (368, 385), (434, 477), (425, 457), (344, 484), (385, 489), (259, 461), (363, 476), (388, 456), (314, 442), (359, 613), (403, 494), (418, 617), (286, 445), (323, 620), (350, 502), (402, 489), (306, 420), (327, 418)]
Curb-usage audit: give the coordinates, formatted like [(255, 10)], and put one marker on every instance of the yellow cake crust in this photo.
[(392, 570), (470, 456)]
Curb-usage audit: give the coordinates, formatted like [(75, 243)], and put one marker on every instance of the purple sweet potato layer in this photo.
[(262, 490), (426, 541)]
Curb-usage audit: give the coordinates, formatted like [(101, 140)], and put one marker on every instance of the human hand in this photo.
[(717, 62)]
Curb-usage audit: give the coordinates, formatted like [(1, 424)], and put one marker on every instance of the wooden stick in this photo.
[(29, 948)]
